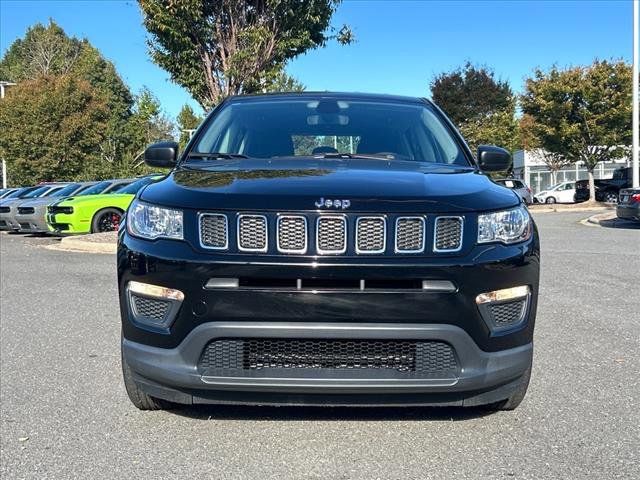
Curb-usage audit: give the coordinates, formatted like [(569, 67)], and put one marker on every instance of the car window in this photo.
[(137, 185), (97, 188), (118, 187), (35, 193), (307, 126), (66, 191), (508, 183)]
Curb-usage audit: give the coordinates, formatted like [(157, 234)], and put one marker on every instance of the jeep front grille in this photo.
[(330, 234), (252, 233), (371, 234), (448, 234), (214, 231), (292, 234), (409, 234), (328, 357)]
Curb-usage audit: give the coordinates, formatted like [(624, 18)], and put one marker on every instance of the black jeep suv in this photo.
[(327, 249)]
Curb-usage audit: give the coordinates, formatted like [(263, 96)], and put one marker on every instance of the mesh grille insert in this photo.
[(292, 234), (410, 234), (448, 236), (370, 235), (252, 233), (418, 358), (508, 313), (332, 235), (214, 231), (150, 307)]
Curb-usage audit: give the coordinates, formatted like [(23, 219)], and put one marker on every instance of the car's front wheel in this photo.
[(611, 197), (139, 398), (550, 200), (106, 220)]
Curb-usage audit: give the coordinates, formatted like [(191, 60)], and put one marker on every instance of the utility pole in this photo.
[(636, 98)]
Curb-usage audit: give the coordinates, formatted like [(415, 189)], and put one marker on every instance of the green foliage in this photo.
[(51, 130), (46, 56), (482, 107), (187, 121), (217, 48), (582, 113)]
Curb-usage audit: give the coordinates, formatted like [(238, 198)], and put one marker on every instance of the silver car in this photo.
[(518, 186), (9, 206), (31, 216)]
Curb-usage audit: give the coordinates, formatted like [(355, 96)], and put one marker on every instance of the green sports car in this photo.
[(94, 213)]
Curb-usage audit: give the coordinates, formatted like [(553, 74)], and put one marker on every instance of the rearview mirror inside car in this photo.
[(493, 159), (161, 154)]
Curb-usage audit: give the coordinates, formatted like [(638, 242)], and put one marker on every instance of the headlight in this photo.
[(151, 221), (508, 226)]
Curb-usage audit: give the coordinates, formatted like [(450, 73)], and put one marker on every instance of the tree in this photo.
[(482, 107), (187, 122), (582, 113), (470, 92), (217, 48), (51, 129), (530, 141)]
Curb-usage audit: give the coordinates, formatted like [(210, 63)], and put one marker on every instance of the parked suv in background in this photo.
[(607, 190), (327, 249), (629, 204), (518, 186)]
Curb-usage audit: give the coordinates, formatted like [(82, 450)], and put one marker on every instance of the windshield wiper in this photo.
[(367, 156), (216, 155)]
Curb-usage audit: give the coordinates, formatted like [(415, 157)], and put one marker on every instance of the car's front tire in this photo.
[(106, 220), (550, 200), (139, 398)]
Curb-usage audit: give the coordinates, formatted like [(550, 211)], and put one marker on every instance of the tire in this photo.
[(516, 397), (611, 197), (140, 399), (106, 220), (550, 200)]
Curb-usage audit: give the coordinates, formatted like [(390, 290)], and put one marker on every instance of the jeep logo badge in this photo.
[(329, 203)]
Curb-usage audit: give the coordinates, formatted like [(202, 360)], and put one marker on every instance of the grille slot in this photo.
[(5, 209), (266, 356), (150, 307), (252, 233), (410, 235), (509, 313), (371, 233), (26, 210), (331, 233), (292, 234), (214, 231), (448, 234)]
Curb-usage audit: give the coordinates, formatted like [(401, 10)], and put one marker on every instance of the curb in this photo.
[(569, 209), (93, 243)]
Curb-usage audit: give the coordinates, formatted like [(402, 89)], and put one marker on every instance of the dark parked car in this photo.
[(327, 249), (629, 205), (607, 190)]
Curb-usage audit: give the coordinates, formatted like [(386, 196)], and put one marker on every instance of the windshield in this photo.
[(66, 191), (135, 186), (97, 188), (326, 126), (36, 193), (16, 194)]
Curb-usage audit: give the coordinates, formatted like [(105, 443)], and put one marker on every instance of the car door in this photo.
[(566, 193)]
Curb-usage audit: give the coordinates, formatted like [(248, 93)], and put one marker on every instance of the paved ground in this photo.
[(64, 412)]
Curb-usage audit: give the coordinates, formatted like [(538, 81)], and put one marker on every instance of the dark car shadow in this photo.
[(620, 223), (302, 413)]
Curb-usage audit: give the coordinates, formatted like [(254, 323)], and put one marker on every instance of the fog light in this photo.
[(502, 295), (155, 291)]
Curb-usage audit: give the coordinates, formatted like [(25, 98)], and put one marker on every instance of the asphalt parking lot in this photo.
[(64, 412)]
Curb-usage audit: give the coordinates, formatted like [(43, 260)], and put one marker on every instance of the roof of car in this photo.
[(334, 95)]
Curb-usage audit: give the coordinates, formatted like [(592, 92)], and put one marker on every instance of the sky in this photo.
[(400, 45)]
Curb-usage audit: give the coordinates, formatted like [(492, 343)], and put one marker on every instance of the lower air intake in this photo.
[(249, 357)]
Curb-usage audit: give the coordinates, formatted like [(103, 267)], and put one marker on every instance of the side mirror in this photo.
[(161, 154), (493, 159)]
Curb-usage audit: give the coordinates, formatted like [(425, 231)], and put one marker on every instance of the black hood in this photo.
[(298, 184)]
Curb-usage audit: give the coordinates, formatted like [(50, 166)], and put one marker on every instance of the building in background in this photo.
[(529, 166)]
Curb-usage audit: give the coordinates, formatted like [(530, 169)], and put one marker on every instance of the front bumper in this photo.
[(629, 212), (67, 223), (8, 221), (164, 361), (32, 222)]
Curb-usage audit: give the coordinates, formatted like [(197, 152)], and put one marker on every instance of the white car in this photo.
[(560, 193)]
